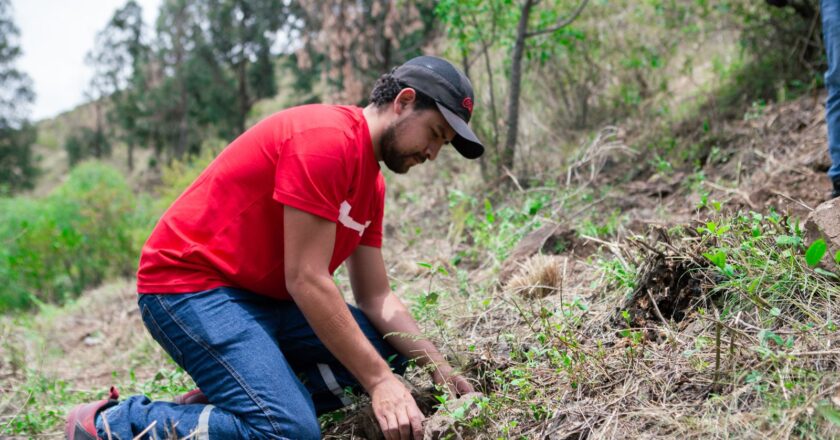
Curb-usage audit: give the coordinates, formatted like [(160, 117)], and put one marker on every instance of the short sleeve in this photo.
[(312, 172), (373, 234)]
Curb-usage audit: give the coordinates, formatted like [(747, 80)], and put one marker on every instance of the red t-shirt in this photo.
[(226, 229)]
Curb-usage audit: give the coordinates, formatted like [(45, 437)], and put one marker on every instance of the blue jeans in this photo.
[(257, 360), (830, 11)]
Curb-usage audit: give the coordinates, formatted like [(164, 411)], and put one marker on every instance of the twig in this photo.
[(800, 202), (143, 432), (513, 178), (25, 402), (561, 24), (718, 326)]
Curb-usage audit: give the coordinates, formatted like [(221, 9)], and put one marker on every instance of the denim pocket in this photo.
[(160, 336)]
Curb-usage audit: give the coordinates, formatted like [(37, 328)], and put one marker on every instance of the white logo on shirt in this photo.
[(346, 220)]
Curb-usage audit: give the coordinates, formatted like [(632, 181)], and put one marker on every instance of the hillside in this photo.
[(618, 327)]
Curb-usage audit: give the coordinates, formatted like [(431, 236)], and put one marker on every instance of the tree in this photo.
[(476, 26), (17, 168), (240, 34), (121, 59), (350, 43), (179, 36), (524, 31), (491, 23), (97, 93)]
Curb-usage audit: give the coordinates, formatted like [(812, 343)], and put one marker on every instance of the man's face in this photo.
[(414, 137)]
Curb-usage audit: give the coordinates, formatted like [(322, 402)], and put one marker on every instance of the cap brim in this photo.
[(465, 140)]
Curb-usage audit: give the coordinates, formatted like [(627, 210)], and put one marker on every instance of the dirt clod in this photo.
[(824, 222)]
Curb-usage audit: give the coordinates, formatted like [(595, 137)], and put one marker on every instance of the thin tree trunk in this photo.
[(492, 96), (482, 160), (465, 61), (243, 95), (509, 151), (131, 156), (97, 139)]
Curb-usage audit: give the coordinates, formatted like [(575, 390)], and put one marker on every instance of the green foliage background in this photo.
[(53, 248)]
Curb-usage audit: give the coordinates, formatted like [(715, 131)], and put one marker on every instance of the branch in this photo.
[(562, 23)]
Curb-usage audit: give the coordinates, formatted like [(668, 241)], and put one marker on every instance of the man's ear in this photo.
[(404, 99)]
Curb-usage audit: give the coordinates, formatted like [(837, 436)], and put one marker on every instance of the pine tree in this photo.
[(121, 61), (17, 167)]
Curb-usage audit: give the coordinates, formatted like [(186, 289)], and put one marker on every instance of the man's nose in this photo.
[(433, 150)]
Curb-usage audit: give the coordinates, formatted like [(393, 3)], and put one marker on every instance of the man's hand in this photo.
[(457, 384), (396, 411)]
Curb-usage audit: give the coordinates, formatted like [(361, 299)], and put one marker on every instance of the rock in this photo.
[(443, 422), (658, 186), (94, 338), (824, 222)]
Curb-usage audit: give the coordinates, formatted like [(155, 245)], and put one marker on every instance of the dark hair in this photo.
[(386, 89)]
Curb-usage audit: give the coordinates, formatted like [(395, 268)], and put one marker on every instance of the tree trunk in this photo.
[(182, 109), (242, 72), (131, 156), (509, 152), (465, 62), (244, 100), (98, 136), (492, 97)]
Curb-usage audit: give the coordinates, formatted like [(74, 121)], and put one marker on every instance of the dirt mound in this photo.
[(779, 161), (774, 158), (669, 284)]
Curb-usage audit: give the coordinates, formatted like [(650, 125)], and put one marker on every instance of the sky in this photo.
[(55, 35)]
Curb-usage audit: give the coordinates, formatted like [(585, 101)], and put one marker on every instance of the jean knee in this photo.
[(308, 429)]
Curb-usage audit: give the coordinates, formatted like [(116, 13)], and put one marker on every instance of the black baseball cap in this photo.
[(452, 92)]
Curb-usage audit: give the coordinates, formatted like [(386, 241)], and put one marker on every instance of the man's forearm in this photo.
[(389, 315), (325, 310)]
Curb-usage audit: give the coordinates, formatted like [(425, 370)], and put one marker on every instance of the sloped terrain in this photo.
[(652, 336), (623, 298)]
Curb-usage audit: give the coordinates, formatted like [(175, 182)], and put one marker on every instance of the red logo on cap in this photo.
[(467, 104)]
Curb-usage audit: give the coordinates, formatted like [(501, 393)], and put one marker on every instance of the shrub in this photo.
[(53, 248)]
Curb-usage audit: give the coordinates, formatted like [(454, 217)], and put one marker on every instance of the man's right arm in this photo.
[(308, 246)]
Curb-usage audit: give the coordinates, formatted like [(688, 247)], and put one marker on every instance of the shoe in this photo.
[(191, 397), (81, 420), (835, 183)]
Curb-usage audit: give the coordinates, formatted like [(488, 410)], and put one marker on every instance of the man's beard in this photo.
[(394, 160)]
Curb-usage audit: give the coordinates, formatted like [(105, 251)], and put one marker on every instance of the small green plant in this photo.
[(756, 110), (815, 252), (495, 230), (661, 165), (619, 273)]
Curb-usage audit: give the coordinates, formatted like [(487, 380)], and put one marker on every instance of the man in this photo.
[(830, 12), (236, 282), (830, 16)]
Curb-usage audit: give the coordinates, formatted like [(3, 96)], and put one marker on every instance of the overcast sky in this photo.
[(55, 35)]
